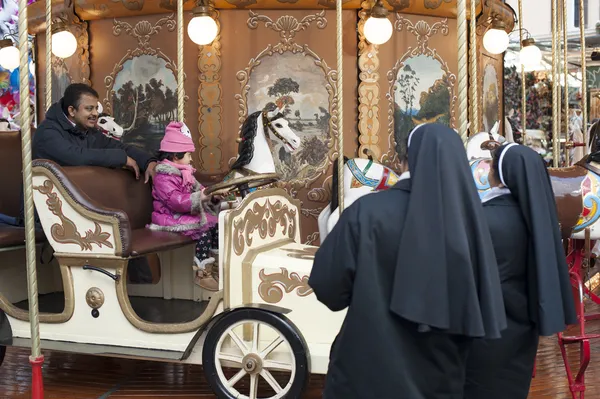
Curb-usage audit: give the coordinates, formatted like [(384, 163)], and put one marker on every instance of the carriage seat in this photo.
[(121, 205), (10, 194)]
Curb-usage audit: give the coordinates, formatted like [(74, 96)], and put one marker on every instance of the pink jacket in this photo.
[(177, 208)]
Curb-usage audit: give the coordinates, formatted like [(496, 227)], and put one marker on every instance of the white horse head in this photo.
[(480, 144), (255, 153), (109, 127), (361, 177)]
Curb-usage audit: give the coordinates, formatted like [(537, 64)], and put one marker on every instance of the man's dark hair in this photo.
[(73, 93), (495, 172)]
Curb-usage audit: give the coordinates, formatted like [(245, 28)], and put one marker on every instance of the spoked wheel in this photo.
[(255, 354), (2, 354)]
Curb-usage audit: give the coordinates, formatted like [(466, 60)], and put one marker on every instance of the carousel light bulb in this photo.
[(530, 54), (64, 44), (9, 55), (495, 39), (378, 29), (202, 29)]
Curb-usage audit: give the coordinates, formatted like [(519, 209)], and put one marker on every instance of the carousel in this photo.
[(297, 108)]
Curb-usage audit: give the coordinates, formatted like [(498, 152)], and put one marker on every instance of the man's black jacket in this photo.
[(58, 140)]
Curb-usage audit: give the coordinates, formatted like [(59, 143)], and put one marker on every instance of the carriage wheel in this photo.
[(251, 348), (2, 353)]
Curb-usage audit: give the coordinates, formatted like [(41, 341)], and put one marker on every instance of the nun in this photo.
[(415, 268), (521, 213)]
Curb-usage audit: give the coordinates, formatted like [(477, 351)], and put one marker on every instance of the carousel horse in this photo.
[(254, 166), (107, 125), (364, 176)]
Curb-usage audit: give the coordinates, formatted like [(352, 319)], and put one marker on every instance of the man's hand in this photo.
[(150, 172), (131, 164)]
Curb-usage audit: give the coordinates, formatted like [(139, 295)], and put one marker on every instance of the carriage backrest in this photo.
[(12, 179)]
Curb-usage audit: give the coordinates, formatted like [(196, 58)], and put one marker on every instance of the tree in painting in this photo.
[(421, 94), (144, 101)]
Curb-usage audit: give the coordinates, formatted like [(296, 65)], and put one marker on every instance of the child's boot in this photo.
[(204, 276)]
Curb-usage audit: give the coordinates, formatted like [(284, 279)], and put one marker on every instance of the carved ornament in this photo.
[(270, 287)]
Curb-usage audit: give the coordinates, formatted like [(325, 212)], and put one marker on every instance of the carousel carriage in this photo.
[(260, 324)]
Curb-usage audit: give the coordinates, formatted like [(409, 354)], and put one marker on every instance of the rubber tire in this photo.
[(277, 321), (2, 353)]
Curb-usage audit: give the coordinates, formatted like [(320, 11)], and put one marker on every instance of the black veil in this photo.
[(551, 304), (446, 274)]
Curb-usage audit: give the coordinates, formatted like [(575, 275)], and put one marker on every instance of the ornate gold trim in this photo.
[(264, 219), (93, 216), (94, 298), (54, 318), (228, 233), (368, 90), (66, 231), (306, 253), (287, 26), (323, 193), (142, 31), (269, 288), (210, 96), (120, 266), (423, 31)]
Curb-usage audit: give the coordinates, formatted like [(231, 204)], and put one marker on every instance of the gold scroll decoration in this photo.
[(210, 94), (368, 90), (270, 287), (264, 218), (66, 232)]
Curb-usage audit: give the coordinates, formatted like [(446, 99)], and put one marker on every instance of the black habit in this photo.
[(414, 265), (534, 277)]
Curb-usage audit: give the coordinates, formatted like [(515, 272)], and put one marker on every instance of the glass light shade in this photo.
[(378, 30), (495, 41), (202, 30), (530, 55), (64, 44), (9, 57)]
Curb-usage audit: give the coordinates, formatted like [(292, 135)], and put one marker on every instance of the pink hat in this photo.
[(177, 138)]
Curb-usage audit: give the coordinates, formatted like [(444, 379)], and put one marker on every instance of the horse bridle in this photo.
[(267, 126)]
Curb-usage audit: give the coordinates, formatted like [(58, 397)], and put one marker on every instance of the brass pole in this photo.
[(555, 110), (48, 54), (474, 103), (559, 65), (27, 180), (566, 82), (180, 88), (340, 104), (461, 6), (584, 115), (523, 81)]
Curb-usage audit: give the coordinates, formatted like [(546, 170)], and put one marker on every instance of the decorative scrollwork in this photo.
[(433, 4), (287, 26), (269, 288), (66, 232), (144, 30), (323, 193), (265, 219), (399, 5), (132, 5)]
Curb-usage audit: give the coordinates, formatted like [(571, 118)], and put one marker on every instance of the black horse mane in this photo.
[(335, 201), (246, 146)]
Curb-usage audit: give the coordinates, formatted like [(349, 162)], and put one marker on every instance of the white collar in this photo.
[(495, 192), (404, 176)]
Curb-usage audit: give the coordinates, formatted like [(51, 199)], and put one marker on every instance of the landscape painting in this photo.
[(421, 94), (144, 101), (295, 79), (490, 97)]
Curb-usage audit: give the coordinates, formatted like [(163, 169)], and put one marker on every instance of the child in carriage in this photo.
[(180, 204)]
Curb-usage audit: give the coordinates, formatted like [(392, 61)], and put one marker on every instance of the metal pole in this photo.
[(340, 103), (555, 110), (523, 82), (475, 124), (461, 6), (48, 54), (36, 359), (180, 88), (584, 115)]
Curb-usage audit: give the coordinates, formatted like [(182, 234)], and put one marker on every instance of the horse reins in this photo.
[(267, 126)]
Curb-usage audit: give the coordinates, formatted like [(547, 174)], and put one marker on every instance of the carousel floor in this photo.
[(68, 376)]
